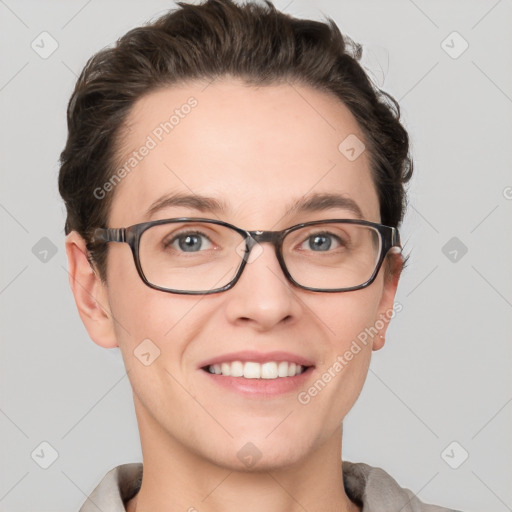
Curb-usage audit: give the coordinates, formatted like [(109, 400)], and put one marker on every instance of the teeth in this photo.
[(269, 371), (282, 369), (253, 370), (237, 369)]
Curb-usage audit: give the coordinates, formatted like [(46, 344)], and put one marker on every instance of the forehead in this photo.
[(256, 149)]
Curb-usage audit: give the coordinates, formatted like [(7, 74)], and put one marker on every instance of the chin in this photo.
[(260, 455)]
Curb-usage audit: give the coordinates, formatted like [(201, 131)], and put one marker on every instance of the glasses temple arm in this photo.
[(109, 235), (395, 239)]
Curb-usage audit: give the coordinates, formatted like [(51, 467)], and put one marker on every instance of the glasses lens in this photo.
[(332, 255), (190, 256)]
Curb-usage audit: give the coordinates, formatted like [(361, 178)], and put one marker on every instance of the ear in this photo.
[(91, 294), (392, 269)]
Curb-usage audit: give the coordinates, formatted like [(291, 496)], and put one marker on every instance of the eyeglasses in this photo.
[(196, 256)]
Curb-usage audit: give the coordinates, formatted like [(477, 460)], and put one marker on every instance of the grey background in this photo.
[(444, 374)]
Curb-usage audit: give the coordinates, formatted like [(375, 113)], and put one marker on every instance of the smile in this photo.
[(254, 370)]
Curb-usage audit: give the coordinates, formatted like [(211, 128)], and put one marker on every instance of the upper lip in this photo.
[(257, 357)]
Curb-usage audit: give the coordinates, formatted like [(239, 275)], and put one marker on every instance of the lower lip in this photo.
[(261, 387)]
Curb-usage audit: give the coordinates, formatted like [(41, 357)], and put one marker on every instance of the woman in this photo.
[(195, 145)]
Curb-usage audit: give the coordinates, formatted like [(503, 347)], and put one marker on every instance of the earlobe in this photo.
[(90, 293), (387, 309)]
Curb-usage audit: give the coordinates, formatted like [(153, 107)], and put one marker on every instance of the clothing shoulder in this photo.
[(370, 487), (375, 490), (117, 486)]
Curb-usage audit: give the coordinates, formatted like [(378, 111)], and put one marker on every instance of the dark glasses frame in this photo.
[(131, 235)]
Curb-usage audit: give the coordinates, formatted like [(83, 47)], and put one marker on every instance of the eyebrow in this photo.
[(313, 203)]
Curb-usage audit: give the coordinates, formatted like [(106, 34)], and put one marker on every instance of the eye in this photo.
[(324, 241), (190, 241)]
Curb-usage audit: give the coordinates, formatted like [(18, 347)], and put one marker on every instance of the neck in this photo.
[(176, 479)]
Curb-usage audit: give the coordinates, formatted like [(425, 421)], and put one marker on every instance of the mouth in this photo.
[(258, 375), (254, 370)]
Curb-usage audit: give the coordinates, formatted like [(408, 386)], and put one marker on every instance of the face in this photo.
[(259, 151)]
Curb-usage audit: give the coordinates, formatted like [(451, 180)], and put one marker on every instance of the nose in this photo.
[(263, 295)]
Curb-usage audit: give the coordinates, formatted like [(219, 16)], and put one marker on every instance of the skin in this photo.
[(258, 149)]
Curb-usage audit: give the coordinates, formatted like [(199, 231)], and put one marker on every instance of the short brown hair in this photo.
[(256, 43)]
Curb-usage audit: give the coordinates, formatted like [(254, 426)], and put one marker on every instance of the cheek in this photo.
[(344, 366), (139, 311), (152, 330), (143, 313), (351, 315)]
